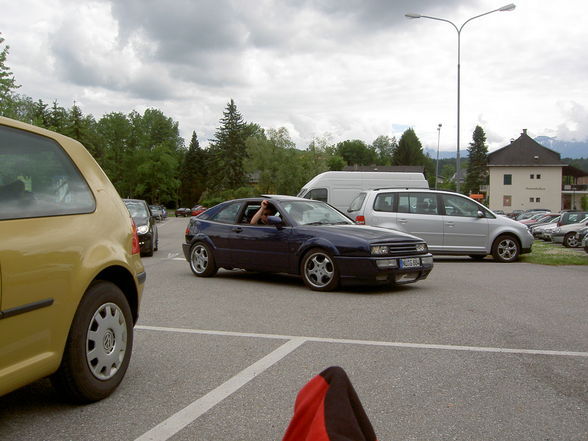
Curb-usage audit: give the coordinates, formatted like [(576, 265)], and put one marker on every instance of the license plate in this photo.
[(412, 262)]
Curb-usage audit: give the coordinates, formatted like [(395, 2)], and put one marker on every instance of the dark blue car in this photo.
[(304, 237)]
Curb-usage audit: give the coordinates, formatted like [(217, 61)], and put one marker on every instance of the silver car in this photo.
[(566, 234), (450, 223)]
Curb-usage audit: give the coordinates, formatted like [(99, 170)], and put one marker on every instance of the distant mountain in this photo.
[(443, 154), (567, 149)]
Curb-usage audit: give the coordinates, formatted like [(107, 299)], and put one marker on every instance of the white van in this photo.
[(339, 188)]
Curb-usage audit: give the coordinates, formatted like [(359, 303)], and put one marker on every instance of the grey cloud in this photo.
[(190, 31)]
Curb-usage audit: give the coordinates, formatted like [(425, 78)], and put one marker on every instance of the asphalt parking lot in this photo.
[(478, 351)]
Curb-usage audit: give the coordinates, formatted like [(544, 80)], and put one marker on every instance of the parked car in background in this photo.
[(583, 238), (183, 212), (71, 275), (532, 219), (544, 218), (566, 234), (450, 223), (571, 217), (514, 214), (500, 212), (305, 237), (156, 212), (146, 227), (539, 230), (530, 214), (197, 209)]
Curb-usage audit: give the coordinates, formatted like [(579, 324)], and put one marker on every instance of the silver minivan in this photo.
[(450, 223)]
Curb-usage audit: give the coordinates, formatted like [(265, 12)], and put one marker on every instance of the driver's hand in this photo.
[(264, 203)]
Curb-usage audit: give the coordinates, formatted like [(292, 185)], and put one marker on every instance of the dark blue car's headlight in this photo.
[(422, 247), (379, 250)]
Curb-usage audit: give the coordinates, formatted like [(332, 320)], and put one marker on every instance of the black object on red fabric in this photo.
[(327, 408)]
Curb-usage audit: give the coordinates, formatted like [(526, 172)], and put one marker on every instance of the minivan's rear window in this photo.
[(38, 179)]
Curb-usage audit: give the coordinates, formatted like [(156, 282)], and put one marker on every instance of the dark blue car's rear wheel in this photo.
[(202, 261), (319, 271)]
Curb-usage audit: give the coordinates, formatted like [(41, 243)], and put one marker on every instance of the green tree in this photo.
[(7, 82), (477, 167), (58, 118), (384, 147), (116, 155), (409, 150), (356, 152), (83, 129), (40, 114), (193, 173), (275, 162), (228, 150), (157, 150)]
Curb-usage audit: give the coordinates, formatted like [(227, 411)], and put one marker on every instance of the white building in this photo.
[(525, 175)]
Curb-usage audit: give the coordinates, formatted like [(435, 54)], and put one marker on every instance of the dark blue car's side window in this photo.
[(227, 214)]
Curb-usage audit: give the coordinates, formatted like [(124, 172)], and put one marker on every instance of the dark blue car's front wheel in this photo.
[(202, 261), (319, 271)]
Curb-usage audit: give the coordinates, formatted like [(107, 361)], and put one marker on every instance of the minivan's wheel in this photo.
[(98, 347), (570, 240), (202, 261), (319, 271), (505, 249)]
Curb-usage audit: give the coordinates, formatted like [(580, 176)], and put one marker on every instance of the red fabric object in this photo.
[(327, 408)]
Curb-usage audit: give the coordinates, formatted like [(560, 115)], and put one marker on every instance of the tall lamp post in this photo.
[(508, 7), (437, 165)]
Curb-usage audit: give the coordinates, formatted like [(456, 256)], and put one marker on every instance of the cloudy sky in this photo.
[(341, 69)]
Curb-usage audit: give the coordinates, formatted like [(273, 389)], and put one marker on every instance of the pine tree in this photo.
[(477, 168), (193, 173), (409, 150), (229, 151), (7, 82)]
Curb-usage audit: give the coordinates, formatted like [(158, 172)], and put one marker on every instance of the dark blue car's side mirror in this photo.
[(275, 220)]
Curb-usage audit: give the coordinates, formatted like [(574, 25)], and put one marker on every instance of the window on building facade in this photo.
[(537, 199), (531, 199), (507, 179), (507, 201), (532, 176), (538, 176)]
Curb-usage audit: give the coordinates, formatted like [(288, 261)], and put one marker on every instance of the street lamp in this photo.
[(505, 8), (437, 165)]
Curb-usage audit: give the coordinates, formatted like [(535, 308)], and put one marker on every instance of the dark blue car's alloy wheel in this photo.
[(319, 271), (202, 261)]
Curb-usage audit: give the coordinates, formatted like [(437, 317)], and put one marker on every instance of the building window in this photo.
[(507, 201), (507, 179), (538, 176), (531, 199), (532, 176), (537, 199)]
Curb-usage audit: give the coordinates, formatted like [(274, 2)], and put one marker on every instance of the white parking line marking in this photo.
[(187, 415), (369, 342)]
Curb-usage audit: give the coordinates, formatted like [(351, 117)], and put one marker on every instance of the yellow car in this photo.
[(71, 277)]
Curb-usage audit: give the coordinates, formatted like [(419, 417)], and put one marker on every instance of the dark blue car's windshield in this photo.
[(314, 213)]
